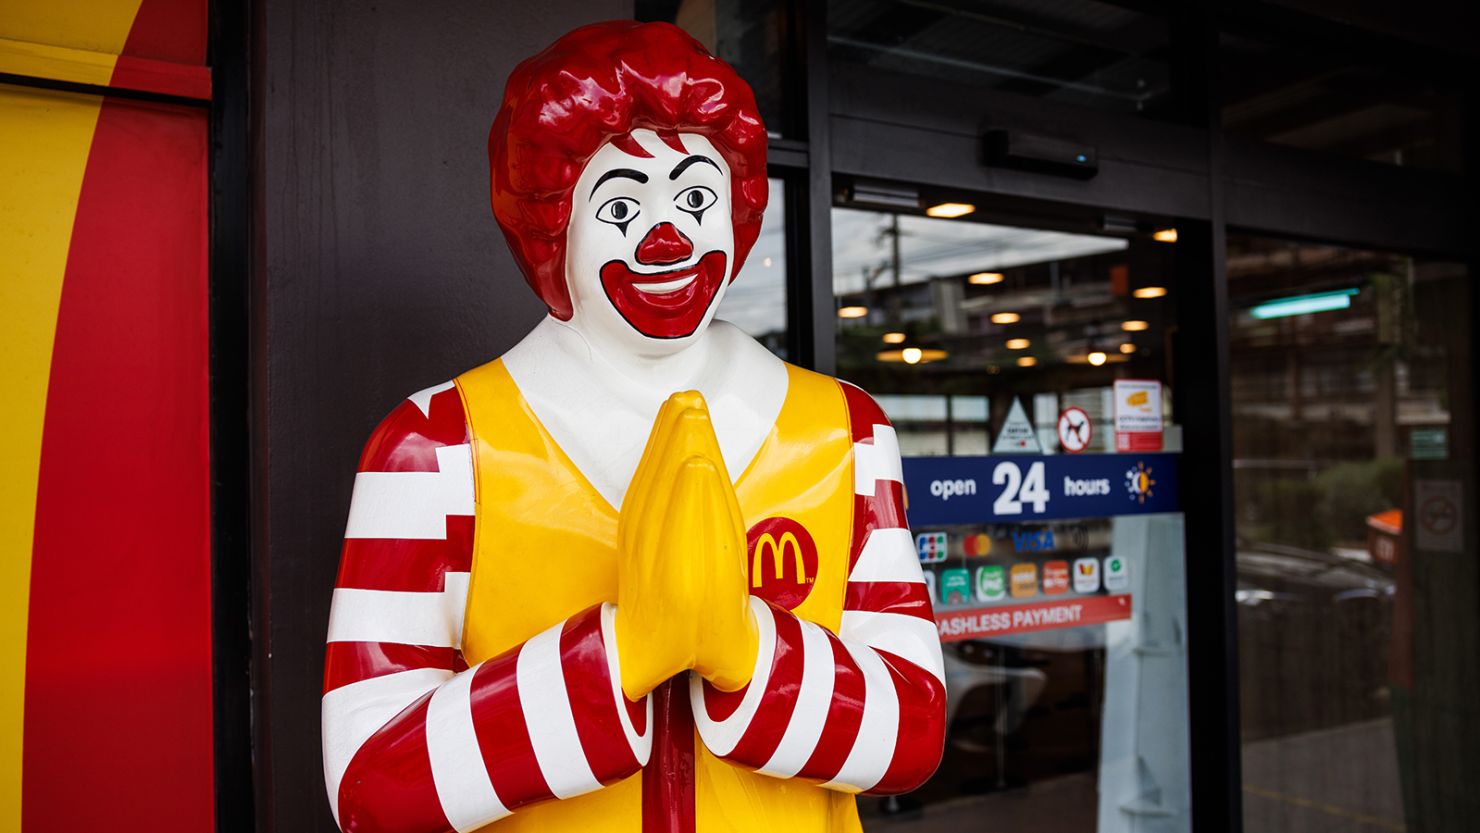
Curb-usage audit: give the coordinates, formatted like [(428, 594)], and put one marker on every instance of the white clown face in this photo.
[(650, 245)]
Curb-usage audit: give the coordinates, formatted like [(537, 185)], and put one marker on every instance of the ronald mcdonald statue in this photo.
[(637, 574)]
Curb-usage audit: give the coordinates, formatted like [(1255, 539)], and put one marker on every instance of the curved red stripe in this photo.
[(863, 412), (407, 439), (909, 598), (844, 716), (503, 734), (588, 684), (388, 784), (922, 726), (351, 662), (412, 565), (779, 700), (118, 727)]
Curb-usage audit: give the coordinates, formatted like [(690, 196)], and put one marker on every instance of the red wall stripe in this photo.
[(118, 670), (169, 30)]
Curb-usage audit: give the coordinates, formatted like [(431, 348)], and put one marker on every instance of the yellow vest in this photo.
[(544, 550)]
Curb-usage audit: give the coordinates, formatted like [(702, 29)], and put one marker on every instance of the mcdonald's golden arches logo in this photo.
[(783, 561)]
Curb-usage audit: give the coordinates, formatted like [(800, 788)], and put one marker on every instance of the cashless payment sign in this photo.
[(983, 490)]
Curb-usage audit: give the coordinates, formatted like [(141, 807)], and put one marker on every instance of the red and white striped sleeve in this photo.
[(414, 740), (862, 709)]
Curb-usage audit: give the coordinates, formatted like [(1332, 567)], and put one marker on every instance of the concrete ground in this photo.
[(1060, 805), (1338, 780)]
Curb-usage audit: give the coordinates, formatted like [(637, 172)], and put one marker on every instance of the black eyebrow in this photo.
[(684, 165), (619, 172)]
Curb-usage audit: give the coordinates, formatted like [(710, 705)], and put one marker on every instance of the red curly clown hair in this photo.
[(596, 84)]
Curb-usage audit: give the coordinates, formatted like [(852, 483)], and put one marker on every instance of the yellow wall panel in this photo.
[(91, 25), (44, 142)]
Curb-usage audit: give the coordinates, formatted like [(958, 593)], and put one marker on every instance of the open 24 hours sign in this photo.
[(1004, 489)]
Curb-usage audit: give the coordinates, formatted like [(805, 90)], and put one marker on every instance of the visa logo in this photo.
[(1030, 540)]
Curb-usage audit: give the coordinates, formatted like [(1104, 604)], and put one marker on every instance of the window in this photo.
[(1352, 413), (1301, 96), (746, 33), (1063, 707), (756, 300), (1080, 52)]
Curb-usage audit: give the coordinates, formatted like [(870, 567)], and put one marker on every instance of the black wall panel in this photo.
[(377, 270)]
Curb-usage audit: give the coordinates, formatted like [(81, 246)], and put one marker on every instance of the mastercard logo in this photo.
[(977, 545)]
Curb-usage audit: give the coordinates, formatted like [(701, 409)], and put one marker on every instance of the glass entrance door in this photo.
[(1027, 373), (1353, 409)]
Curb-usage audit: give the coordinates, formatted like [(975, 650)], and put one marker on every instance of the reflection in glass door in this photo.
[(1357, 582), (1026, 373)]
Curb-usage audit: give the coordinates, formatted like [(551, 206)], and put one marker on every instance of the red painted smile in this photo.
[(666, 304)]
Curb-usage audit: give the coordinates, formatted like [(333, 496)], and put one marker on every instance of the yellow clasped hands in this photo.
[(682, 585)]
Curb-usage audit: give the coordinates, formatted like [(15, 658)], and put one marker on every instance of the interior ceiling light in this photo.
[(912, 355), (1017, 343), (1026, 361), (985, 278), (1165, 235), (1134, 326), (1150, 292), (1127, 348), (894, 338), (852, 312), (1304, 304), (1006, 318), (1096, 358), (950, 209)]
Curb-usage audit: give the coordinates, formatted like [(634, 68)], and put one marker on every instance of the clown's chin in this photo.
[(667, 304)]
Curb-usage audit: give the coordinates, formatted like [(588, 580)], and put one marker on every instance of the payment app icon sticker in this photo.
[(1117, 573), (955, 586), (1024, 580), (930, 585), (991, 583), (932, 547), (1056, 577), (1086, 575)]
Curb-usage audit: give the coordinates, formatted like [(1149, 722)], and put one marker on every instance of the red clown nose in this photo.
[(664, 244)]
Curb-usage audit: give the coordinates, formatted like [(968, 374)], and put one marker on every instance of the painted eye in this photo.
[(618, 211), (696, 200)]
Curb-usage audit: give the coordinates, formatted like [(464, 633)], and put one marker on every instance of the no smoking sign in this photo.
[(1075, 430), (1440, 526)]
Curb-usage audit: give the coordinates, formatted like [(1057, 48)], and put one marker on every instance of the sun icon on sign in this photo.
[(1138, 482)]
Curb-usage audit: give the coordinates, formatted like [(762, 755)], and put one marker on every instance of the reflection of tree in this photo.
[(1327, 509)]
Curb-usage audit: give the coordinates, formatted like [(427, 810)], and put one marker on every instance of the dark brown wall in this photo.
[(378, 271)]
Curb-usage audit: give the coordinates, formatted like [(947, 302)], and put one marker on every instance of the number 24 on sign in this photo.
[(1019, 489)]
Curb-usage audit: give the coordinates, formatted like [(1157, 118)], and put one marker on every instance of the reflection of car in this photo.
[(1314, 627), (973, 664), (1017, 714)]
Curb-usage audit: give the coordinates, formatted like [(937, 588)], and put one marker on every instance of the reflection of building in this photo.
[(1175, 169)]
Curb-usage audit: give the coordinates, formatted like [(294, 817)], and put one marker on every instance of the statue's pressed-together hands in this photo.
[(683, 589)]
